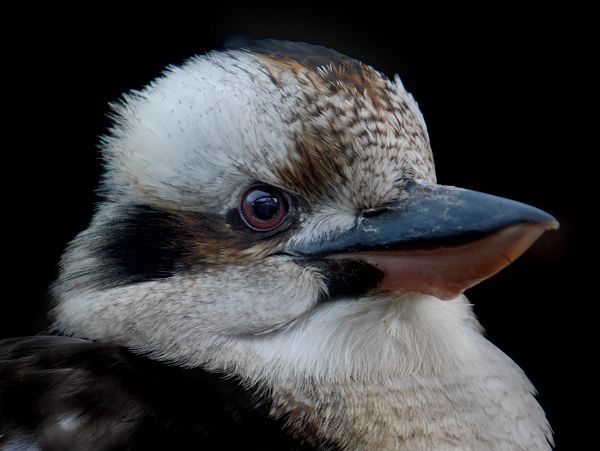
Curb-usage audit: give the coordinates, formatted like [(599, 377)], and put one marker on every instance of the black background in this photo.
[(501, 90)]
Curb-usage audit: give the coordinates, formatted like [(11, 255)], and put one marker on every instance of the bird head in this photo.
[(254, 195)]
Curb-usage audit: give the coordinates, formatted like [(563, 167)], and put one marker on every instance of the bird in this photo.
[(272, 265)]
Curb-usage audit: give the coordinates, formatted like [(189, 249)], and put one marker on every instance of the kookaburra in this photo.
[(273, 266)]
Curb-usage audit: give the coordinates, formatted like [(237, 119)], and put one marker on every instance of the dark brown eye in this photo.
[(263, 208)]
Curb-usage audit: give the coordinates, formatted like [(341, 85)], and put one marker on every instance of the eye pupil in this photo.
[(266, 207)]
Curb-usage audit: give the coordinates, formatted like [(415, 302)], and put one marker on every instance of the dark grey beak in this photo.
[(439, 240)]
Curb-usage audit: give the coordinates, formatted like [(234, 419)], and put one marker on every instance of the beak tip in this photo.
[(534, 215), (549, 222), (553, 224)]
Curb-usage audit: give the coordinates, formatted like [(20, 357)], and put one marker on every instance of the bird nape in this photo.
[(273, 266)]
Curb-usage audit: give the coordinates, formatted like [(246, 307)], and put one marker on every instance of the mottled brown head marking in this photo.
[(355, 135), (313, 166), (327, 69)]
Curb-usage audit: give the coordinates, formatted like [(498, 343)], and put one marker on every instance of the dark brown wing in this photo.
[(61, 393)]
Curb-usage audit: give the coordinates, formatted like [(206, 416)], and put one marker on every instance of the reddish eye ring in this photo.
[(264, 208)]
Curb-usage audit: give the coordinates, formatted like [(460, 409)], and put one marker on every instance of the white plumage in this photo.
[(376, 370)]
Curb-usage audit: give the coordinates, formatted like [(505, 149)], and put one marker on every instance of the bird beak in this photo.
[(439, 240)]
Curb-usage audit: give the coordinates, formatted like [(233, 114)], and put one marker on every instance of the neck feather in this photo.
[(412, 373)]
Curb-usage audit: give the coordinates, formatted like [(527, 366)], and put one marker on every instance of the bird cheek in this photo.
[(264, 297)]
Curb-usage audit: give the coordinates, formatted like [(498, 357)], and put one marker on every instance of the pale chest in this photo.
[(420, 413)]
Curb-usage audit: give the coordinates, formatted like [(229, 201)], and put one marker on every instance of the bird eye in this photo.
[(263, 208)]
